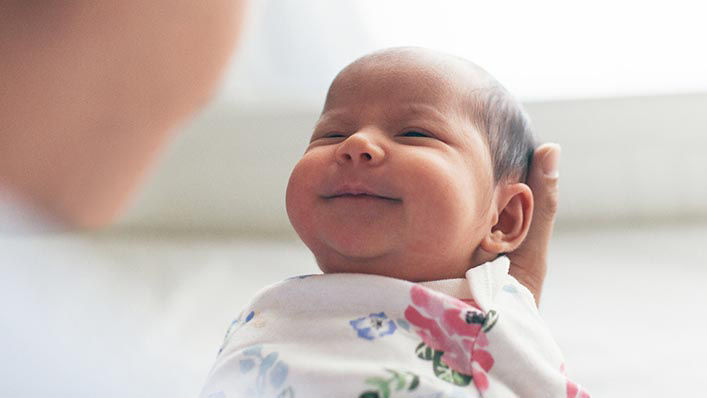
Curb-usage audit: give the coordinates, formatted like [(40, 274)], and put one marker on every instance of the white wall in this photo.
[(624, 160)]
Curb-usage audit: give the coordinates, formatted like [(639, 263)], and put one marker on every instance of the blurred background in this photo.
[(139, 308)]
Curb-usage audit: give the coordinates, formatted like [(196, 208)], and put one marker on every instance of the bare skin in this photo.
[(397, 181), (362, 143), (529, 261), (91, 91)]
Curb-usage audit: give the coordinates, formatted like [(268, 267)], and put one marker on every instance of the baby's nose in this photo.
[(359, 149)]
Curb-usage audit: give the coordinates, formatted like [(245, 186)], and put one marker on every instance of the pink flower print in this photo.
[(573, 390), (455, 331)]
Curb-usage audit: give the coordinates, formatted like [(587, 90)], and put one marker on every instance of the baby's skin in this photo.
[(397, 180)]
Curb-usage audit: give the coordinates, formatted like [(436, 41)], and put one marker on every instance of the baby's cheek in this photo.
[(299, 196), (305, 176), (435, 210), (447, 208)]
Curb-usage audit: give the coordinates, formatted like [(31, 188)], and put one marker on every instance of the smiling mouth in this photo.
[(360, 196)]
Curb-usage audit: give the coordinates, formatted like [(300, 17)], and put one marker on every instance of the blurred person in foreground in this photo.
[(90, 92)]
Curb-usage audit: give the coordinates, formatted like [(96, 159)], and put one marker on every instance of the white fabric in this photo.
[(358, 335)]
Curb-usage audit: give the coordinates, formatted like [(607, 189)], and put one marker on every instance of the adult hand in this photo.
[(529, 260)]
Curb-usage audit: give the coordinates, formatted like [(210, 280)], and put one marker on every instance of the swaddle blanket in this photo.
[(368, 336)]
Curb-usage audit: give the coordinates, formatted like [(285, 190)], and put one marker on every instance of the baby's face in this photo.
[(396, 180)]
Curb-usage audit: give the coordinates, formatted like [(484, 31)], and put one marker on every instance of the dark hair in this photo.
[(508, 131)]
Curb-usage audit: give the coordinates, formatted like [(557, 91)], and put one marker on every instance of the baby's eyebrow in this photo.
[(330, 121), (335, 117), (428, 112), (425, 110)]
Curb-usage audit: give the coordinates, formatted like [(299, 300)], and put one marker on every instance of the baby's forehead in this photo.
[(407, 76)]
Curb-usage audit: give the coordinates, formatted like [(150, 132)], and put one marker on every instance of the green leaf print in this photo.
[(382, 385), (489, 320), (424, 351), (399, 380), (415, 381), (447, 374)]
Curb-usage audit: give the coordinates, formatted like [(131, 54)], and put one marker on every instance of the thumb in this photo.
[(543, 181), (529, 260)]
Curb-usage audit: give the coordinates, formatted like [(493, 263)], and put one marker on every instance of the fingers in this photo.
[(543, 181), (529, 261)]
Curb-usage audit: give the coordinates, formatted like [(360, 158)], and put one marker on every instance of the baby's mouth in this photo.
[(362, 196), (358, 191)]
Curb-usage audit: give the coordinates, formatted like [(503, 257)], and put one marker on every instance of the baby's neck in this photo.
[(412, 272)]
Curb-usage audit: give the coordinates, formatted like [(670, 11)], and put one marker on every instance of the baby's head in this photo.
[(415, 169)]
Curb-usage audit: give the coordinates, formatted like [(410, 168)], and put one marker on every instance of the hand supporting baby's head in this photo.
[(414, 169)]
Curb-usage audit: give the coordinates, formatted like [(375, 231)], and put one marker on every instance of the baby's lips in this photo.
[(355, 189)]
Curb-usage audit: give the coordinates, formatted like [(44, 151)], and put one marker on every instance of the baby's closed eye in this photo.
[(415, 133), (327, 136)]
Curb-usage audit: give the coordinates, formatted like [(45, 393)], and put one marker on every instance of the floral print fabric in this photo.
[(320, 336), (456, 332), (373, 326)]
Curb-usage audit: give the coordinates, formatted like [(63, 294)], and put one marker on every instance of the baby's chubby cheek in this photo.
[(340, 227), (298, 200), (303, 201), (443, 220)]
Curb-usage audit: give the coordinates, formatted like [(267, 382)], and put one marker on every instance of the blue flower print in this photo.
[(510, 289), (270, 376), (250, 316), (235, 324), (403, 324), (373, 326)]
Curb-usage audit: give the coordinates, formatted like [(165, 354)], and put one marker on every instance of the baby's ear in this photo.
[(514, 210)]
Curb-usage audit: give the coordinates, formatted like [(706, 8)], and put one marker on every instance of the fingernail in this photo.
[(551, 162)]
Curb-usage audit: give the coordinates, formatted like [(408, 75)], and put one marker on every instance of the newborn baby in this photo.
[(410, 191)]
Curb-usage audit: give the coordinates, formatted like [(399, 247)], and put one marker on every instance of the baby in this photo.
[(410, 191)]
